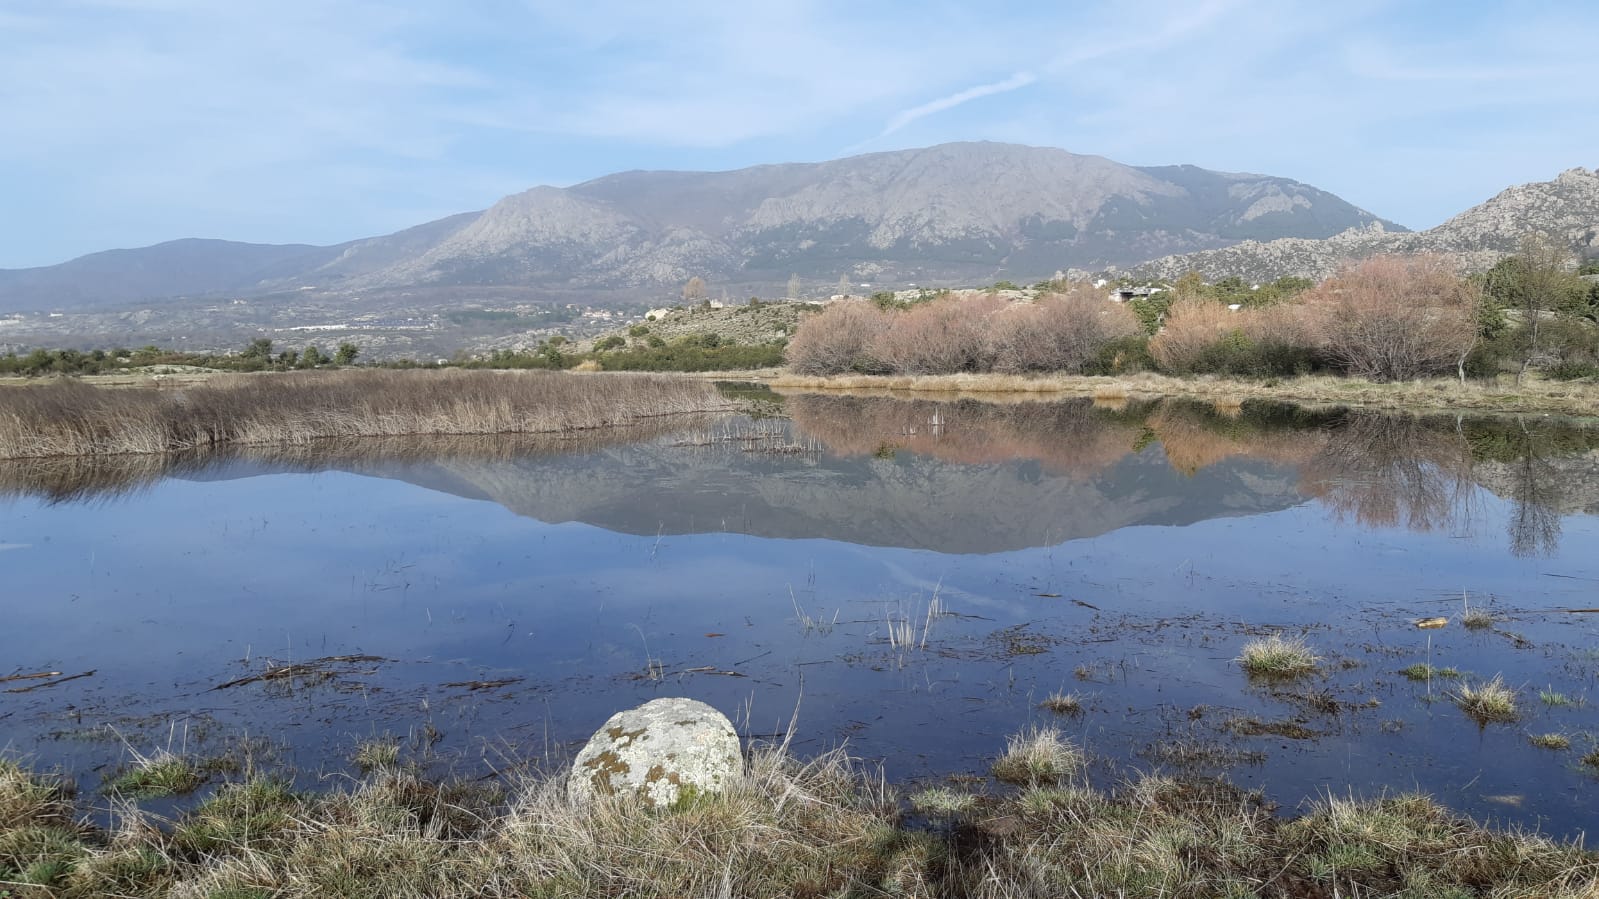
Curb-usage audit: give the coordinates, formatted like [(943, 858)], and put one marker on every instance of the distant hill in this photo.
[(1567, 208), (951, 214)]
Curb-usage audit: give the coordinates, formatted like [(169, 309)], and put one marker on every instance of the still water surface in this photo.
[(908, 577)]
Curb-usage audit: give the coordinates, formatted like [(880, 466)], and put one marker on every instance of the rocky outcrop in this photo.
[(1566, 208), (661, 751)]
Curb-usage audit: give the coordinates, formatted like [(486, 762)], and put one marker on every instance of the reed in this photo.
[(67, 418)]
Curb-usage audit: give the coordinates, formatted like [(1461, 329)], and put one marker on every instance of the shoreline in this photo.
[(1578, 399), (827, 825)]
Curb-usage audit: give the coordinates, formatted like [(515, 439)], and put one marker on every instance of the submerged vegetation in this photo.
[(825, 827), (68, 418)]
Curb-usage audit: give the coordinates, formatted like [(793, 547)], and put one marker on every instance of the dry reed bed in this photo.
[(81, 477), (1565, 398), (67, 418)]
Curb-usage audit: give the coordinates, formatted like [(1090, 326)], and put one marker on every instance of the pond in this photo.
[(910, 578)]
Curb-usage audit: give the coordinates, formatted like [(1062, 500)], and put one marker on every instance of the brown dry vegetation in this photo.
[(1394, 318), (785, 829), (1057, 332), (1556, 397), (66, 418)]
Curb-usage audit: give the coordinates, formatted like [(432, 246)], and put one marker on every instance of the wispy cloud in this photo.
[(905, 117), (132, 121)]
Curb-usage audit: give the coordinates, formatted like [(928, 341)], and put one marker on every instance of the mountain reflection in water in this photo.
[(954, 476)]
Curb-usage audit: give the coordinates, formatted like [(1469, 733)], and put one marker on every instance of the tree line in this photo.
[(1389, 318)]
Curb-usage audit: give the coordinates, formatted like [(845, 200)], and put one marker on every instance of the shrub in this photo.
[(1059, 332), (838, 340), (1205, 336), (938, 338), (1394, 318)]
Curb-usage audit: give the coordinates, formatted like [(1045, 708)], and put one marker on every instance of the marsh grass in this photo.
[(1065, 704), (1423, 672), (1040, 755), (942, 802), (825, 827), (376, 754), (1554, 699), (67, 418), (1440, 393), (1488, 702), (158, 775), (1477, 620), (1277, 657), (1549, 741)]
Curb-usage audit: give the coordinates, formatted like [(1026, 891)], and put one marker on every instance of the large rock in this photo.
[(658, 751)]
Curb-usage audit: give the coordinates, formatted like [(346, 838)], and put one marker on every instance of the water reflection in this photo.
[(573, 573), (956, 476)]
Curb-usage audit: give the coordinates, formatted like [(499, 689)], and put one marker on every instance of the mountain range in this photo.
[(951, 214), (1566, 208)]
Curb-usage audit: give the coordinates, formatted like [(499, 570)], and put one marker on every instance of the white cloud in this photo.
[(905, 117)]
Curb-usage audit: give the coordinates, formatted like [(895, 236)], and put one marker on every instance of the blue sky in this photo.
[(129, 122)]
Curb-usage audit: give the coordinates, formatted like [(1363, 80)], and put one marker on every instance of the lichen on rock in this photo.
[(660, 751)]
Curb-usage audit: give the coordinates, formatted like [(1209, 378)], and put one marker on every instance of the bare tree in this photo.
[(694, 290), (1393, 318), (794, 287)]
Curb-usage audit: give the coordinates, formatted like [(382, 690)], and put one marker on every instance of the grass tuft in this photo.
[(1487, 702), (1554, 699), (158, 776), (1040, 755), (1068, 704), (943, 802), (376, 755), (1477, 620), (1422, 671), (1549, 741), (1277, 657)]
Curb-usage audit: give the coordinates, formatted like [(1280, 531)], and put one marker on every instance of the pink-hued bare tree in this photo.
[(1393, 318)]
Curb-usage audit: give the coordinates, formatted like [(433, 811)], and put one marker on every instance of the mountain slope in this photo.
[(1567, 208), (954, 213)]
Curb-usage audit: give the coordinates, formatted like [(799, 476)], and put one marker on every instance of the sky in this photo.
[(129, 122)]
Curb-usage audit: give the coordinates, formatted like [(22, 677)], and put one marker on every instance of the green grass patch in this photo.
[(1554, 699), (158, 776), (1422, 671)]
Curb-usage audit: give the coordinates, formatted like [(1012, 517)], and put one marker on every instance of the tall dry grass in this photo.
[(68, 418)]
